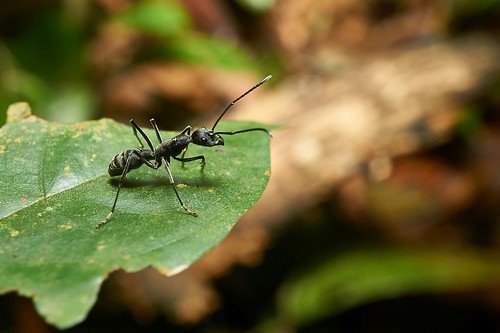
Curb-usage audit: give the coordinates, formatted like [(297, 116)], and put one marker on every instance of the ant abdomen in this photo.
[(131, 156)]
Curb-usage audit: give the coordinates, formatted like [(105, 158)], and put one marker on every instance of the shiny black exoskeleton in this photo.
[(132, 159)]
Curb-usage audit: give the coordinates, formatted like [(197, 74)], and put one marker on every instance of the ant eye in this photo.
[(204, 139)]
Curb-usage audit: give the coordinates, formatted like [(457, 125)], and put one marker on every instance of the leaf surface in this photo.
[(55, 188)]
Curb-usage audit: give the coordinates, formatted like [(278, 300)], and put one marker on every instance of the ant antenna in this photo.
[(267, 78)]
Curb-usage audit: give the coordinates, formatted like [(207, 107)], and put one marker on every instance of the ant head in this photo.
[(209, 138), (206, 138)]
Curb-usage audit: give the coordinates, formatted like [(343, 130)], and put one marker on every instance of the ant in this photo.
[(134, 158)]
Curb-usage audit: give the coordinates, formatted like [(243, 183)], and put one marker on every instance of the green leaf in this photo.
[(360, 277), (54, 189)]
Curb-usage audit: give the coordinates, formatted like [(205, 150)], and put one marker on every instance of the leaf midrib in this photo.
[(45, 197)]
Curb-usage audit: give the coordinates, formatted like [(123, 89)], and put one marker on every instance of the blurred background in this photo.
[(383, 209)]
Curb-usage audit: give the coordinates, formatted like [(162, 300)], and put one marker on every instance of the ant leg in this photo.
[(138, 139), (136, 128), (184, 154), (172, 183), (157, 130), (126, 169), (187, 131), (190, 159)]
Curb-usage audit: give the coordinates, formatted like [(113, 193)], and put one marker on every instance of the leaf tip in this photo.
[(172, 271), (18, 111)]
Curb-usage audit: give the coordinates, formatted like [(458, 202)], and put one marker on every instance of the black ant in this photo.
[(134, 158)]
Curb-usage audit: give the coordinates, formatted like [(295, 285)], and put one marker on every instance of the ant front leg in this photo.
[(190, 159), (187, 131)]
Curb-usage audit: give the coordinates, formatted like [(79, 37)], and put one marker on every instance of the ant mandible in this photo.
[(134, 158)]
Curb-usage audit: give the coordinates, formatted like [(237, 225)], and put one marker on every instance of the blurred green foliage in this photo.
[(257, 5), (44, 61), (178, 41), (158, 18), (369, 274)]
